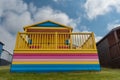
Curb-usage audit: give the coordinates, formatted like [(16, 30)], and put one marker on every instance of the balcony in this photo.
[(54, 41)]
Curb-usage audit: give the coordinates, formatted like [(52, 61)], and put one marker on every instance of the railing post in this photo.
[(56, 40), (94, 43), (70, 40)]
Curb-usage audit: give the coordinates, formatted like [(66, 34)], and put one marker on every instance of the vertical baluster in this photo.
[(63, 41), (41, 40), (77, 40), (82, 40), (30, 37), (35, 41), (56, 39), (85, 41), (59, 41), (21, 41), (25, 40), (71, 41), (52, 41), (47, 41)]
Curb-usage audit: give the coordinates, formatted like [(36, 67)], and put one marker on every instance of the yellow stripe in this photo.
[(55, 62), (54, 51)]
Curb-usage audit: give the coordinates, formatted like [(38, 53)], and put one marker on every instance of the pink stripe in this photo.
[(51, 60), (55, 54), (55, 57)]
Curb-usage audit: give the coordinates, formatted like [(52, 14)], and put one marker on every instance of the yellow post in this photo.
[(70, 40), (93, 38), (56, 39)]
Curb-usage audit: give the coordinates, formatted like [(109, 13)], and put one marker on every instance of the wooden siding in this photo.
[(109, 49)]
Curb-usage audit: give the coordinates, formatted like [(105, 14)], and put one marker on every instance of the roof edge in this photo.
[(2, 43), (114, 29), (48, 21)]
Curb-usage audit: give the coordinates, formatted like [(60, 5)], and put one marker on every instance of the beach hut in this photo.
[(1, 47), (5, 56), (109, 49), (52, 47)]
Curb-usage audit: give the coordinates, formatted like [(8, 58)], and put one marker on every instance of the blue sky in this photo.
[(98, 16), (75, 9)]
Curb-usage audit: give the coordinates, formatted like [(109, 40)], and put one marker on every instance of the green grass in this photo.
[(104, 74)]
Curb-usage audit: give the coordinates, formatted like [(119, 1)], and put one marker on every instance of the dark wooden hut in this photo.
[(109, 49)]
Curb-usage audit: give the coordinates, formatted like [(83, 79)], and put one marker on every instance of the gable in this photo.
[(47, 24)]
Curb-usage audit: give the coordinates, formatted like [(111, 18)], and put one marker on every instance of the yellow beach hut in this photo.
[(51, 47)]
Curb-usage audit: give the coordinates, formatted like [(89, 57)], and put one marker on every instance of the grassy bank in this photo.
[(104, 74)]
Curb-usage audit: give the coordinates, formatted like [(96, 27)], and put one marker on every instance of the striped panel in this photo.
[(43, 62)]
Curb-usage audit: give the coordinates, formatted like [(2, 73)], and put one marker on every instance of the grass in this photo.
[(104, 74)]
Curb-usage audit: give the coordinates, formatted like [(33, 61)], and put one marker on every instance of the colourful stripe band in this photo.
[(55, 54), (69, 60), (55, 57), (53, 67), (95, 62)]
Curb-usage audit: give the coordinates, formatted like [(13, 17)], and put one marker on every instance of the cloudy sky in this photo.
[(98, 16)]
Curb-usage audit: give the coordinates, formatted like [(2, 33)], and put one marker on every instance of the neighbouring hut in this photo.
[(109, 49), (5, 56)]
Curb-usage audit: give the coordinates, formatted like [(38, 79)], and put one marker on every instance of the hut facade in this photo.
[(109, 49), (50, 47)]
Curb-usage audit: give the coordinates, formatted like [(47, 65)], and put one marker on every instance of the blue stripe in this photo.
[(53, 67)]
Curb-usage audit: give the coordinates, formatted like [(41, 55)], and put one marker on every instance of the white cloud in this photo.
[(84, 29), (7, 39), (32, 8), (112, 25), (16, 14), (12, 5), (47, 13), (14, 22), (95, 8), (13, 15)]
